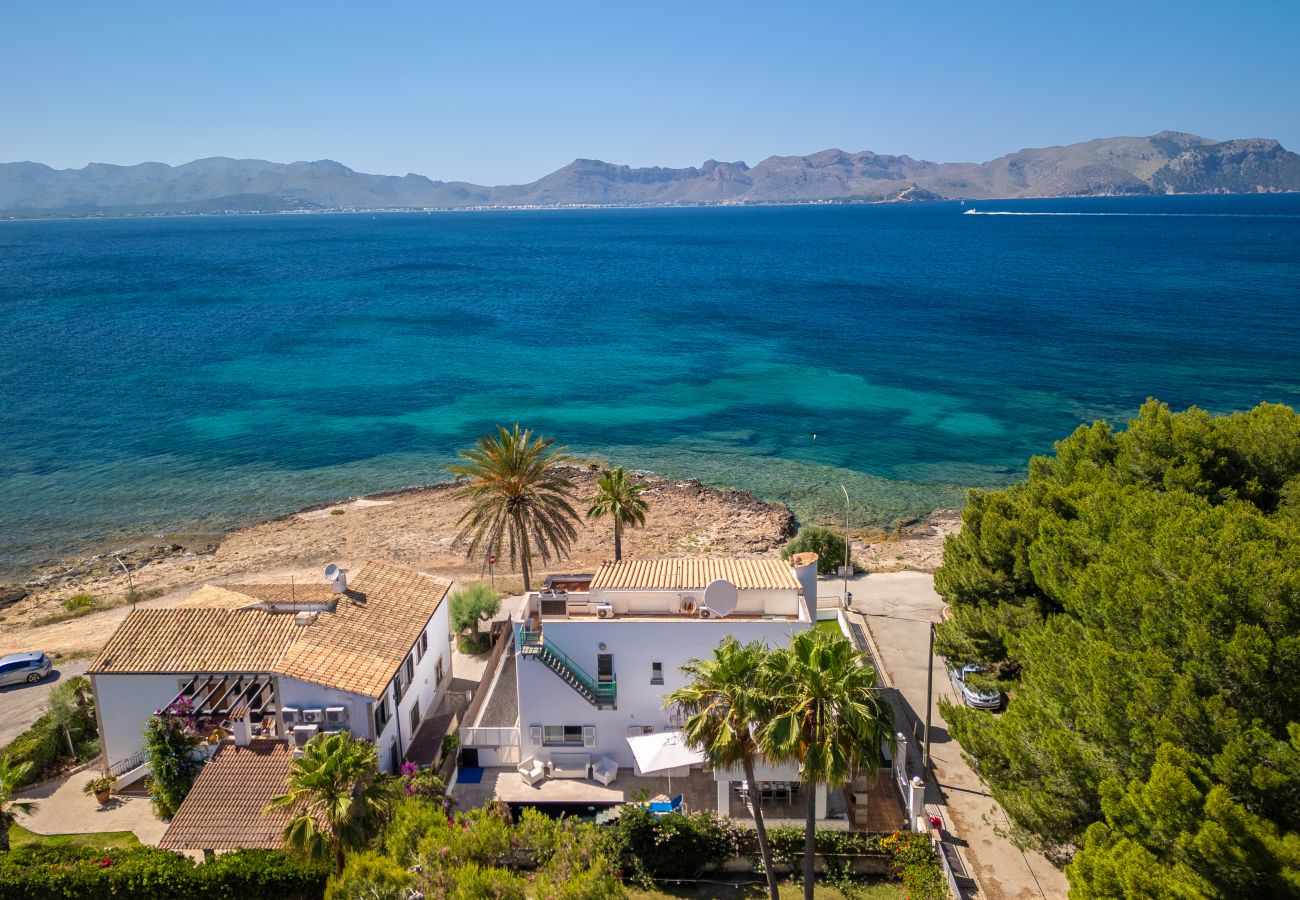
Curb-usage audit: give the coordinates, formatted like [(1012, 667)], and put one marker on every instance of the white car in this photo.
[(976, 697), (29, 667)]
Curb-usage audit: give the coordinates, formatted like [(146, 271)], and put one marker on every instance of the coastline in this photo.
[(414, 527)]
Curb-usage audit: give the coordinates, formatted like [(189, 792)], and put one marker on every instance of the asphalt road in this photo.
[(23, 704), (898, 608)]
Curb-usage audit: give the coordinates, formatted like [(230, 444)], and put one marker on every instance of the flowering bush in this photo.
[(424, 783), (170, 738), (915, 864)]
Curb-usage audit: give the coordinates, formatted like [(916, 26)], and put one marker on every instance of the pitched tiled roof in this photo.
[(358, 647), (694, 574), (196, 640), (223, 810)]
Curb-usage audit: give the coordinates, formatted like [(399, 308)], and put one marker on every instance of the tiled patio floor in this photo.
[(62, 808), (698, 788)]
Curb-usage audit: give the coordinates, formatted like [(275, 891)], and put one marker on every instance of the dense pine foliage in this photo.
[(1139, 598)]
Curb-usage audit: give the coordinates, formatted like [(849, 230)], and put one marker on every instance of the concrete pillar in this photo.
[(915, 799), (724, 798), (243, 730)]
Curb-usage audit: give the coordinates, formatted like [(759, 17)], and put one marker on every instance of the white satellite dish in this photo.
[(332, 572), (721, 597)]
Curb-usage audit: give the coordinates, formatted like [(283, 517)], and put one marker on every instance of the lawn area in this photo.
[(831, 625), (868, 890), (98, 840)]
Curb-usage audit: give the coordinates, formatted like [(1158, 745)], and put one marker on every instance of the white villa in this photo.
[(595, 656), (282, 662)]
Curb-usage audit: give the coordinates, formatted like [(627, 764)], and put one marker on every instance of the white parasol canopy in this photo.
[(663, 751)]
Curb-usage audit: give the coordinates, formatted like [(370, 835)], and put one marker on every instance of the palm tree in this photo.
[(826, 714), (618, 497), (726, 706), (334, 795), (12, 777), (518, 495)]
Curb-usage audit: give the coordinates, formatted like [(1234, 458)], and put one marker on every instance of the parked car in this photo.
[(972, 696), (30, 667)]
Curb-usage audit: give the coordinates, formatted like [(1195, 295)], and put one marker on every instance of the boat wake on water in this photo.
[(1197, 215)]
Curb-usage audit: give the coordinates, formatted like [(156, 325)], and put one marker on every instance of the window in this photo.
[(410, 669), (561, 735), (415, 718), (605, 668), (656, 673), (394, 758), (423, 646), (381, 716), (438, 673)]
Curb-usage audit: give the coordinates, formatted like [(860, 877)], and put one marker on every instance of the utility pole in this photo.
[(929, 693), (848, 547)]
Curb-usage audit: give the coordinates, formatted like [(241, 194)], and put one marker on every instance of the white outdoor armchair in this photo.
[(605, 770), (531, 770)]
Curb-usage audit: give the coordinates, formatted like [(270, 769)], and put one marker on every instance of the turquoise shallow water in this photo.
[(197, 374)]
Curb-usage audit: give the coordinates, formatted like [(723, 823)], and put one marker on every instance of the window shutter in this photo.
[(588, 735), (535, 735), (634, 731)]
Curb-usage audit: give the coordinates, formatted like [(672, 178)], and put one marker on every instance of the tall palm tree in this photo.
[(725, 707), (519, 496), (12, 777), (334, 795), (825, 714), (618, 497)]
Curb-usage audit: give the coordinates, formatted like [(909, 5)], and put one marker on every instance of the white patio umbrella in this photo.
[(665, 750)]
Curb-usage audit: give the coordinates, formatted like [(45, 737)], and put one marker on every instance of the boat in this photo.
[(970, 212)]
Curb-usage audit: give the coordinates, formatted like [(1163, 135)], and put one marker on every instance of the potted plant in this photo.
[(101, 787)]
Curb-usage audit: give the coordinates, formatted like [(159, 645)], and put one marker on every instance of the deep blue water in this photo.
[(193, 374)]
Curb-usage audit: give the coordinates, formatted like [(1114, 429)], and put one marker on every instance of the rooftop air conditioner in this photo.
[(304, 733), (313, 716), (604, 611), (336, 715), (706, 613), (289, 716)]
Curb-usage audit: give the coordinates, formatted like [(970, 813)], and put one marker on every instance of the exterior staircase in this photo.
[(599, 695)]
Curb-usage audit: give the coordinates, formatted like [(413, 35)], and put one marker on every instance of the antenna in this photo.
[(338, 577)]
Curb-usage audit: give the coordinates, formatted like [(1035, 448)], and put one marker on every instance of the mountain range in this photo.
[(1165, 163)]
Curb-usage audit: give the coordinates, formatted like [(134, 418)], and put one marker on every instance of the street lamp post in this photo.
[(848, 547), (130, 585)]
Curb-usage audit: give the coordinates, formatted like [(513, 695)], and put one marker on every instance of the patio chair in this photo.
[(605, 770), (531, 770)]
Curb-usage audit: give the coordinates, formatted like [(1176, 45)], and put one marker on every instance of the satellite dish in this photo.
[(332, 572), (721, 597)]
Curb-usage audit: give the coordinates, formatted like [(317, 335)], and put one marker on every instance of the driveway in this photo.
[(898, 608), (23, 704)]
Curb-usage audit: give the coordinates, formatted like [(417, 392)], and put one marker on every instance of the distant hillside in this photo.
[(1168, 162)]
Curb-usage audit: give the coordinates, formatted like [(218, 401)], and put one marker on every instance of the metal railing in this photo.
[(122, 766), (603, 692)]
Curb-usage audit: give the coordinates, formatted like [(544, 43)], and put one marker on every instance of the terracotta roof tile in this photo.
[(694, 574), (223, 810), (358, 647)]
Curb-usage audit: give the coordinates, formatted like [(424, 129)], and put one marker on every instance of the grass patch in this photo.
[(859, 890), (98, 840), (830, 625)]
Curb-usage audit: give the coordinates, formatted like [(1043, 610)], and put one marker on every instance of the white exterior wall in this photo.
[(124, 704), (544, 699), (425, 691), (749, 602)]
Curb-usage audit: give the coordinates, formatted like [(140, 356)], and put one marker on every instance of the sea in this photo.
[(188, 375)]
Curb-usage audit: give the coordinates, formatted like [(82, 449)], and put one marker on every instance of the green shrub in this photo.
[(370, 876), (827, 544), (38, 745), (677, 845), (475, 882), (79, 602), (146, 873), (170, 740), (470, 606)]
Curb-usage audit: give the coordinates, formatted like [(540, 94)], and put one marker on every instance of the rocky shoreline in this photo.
[(414, 527)]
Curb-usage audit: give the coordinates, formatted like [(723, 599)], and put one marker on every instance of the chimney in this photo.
[(804, 566), (243, 728), (338, 578)]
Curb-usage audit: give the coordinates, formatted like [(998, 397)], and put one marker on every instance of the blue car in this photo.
[(30, 667)]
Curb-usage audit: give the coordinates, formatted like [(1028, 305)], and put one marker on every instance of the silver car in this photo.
[(30, 667), (972, 696)]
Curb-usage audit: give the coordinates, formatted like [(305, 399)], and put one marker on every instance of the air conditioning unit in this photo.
[(336, 715), (289, 716), (604, 611), (313, 716), (304, 733), (706, 613)]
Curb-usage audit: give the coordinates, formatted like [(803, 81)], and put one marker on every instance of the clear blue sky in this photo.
[(506, 92)]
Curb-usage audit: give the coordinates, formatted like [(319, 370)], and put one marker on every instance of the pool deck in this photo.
[(504, 784)]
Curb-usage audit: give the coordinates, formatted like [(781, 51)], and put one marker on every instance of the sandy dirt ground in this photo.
[(417, 528)]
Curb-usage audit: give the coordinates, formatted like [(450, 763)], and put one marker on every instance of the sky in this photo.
[(504, 92)]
